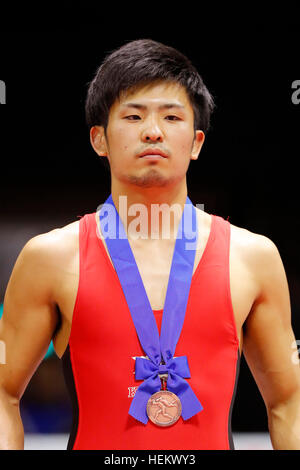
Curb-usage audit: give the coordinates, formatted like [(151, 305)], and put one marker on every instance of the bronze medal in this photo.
[(164, 408)]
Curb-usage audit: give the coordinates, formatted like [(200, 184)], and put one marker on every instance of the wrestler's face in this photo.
[(158, 117)]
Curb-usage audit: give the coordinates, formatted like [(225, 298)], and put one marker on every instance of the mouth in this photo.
[(153, 154)]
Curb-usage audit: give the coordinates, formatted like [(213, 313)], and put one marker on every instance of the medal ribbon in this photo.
[(159, 349)]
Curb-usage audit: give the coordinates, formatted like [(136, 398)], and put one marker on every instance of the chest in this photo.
[(154, 263)]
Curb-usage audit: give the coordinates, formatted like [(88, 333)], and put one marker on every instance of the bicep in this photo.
[(268, 334), (29, 319)]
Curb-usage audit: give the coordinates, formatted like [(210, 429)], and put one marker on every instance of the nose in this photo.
[(152, 132)]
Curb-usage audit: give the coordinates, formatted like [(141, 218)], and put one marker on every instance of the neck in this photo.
[(150, 213)]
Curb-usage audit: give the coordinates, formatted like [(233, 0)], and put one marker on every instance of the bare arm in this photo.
[(268, 340), (26, 328)]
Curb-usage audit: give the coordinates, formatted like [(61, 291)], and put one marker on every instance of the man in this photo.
[(148, 111)]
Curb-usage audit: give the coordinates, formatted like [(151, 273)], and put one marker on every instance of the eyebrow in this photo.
[(162, 106)]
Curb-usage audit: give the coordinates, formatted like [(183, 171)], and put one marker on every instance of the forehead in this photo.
[(156, 94)]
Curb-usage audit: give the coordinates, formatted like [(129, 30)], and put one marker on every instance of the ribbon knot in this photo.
[(177, 369), (162, 369)]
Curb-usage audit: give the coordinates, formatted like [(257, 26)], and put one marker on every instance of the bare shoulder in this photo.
[(257, 251), (48, 256), (251, 241), (56, 242)]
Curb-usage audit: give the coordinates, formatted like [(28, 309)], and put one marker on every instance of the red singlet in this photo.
[(99, 361)]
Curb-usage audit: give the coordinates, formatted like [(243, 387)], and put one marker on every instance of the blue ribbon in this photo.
[(159, 349)]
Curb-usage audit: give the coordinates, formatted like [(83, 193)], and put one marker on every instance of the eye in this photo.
[(171, 117), (132, 117)]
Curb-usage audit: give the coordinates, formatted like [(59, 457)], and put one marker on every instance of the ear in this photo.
[(197, 144), (98, 140)]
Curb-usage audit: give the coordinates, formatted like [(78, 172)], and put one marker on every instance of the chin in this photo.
[(149, 180)]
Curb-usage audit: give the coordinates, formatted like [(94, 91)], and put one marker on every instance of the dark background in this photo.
[(247, 170)]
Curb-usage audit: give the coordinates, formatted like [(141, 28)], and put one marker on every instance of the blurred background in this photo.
[(50, 175)]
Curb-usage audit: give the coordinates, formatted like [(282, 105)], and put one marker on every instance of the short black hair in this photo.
[(142, 62)]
